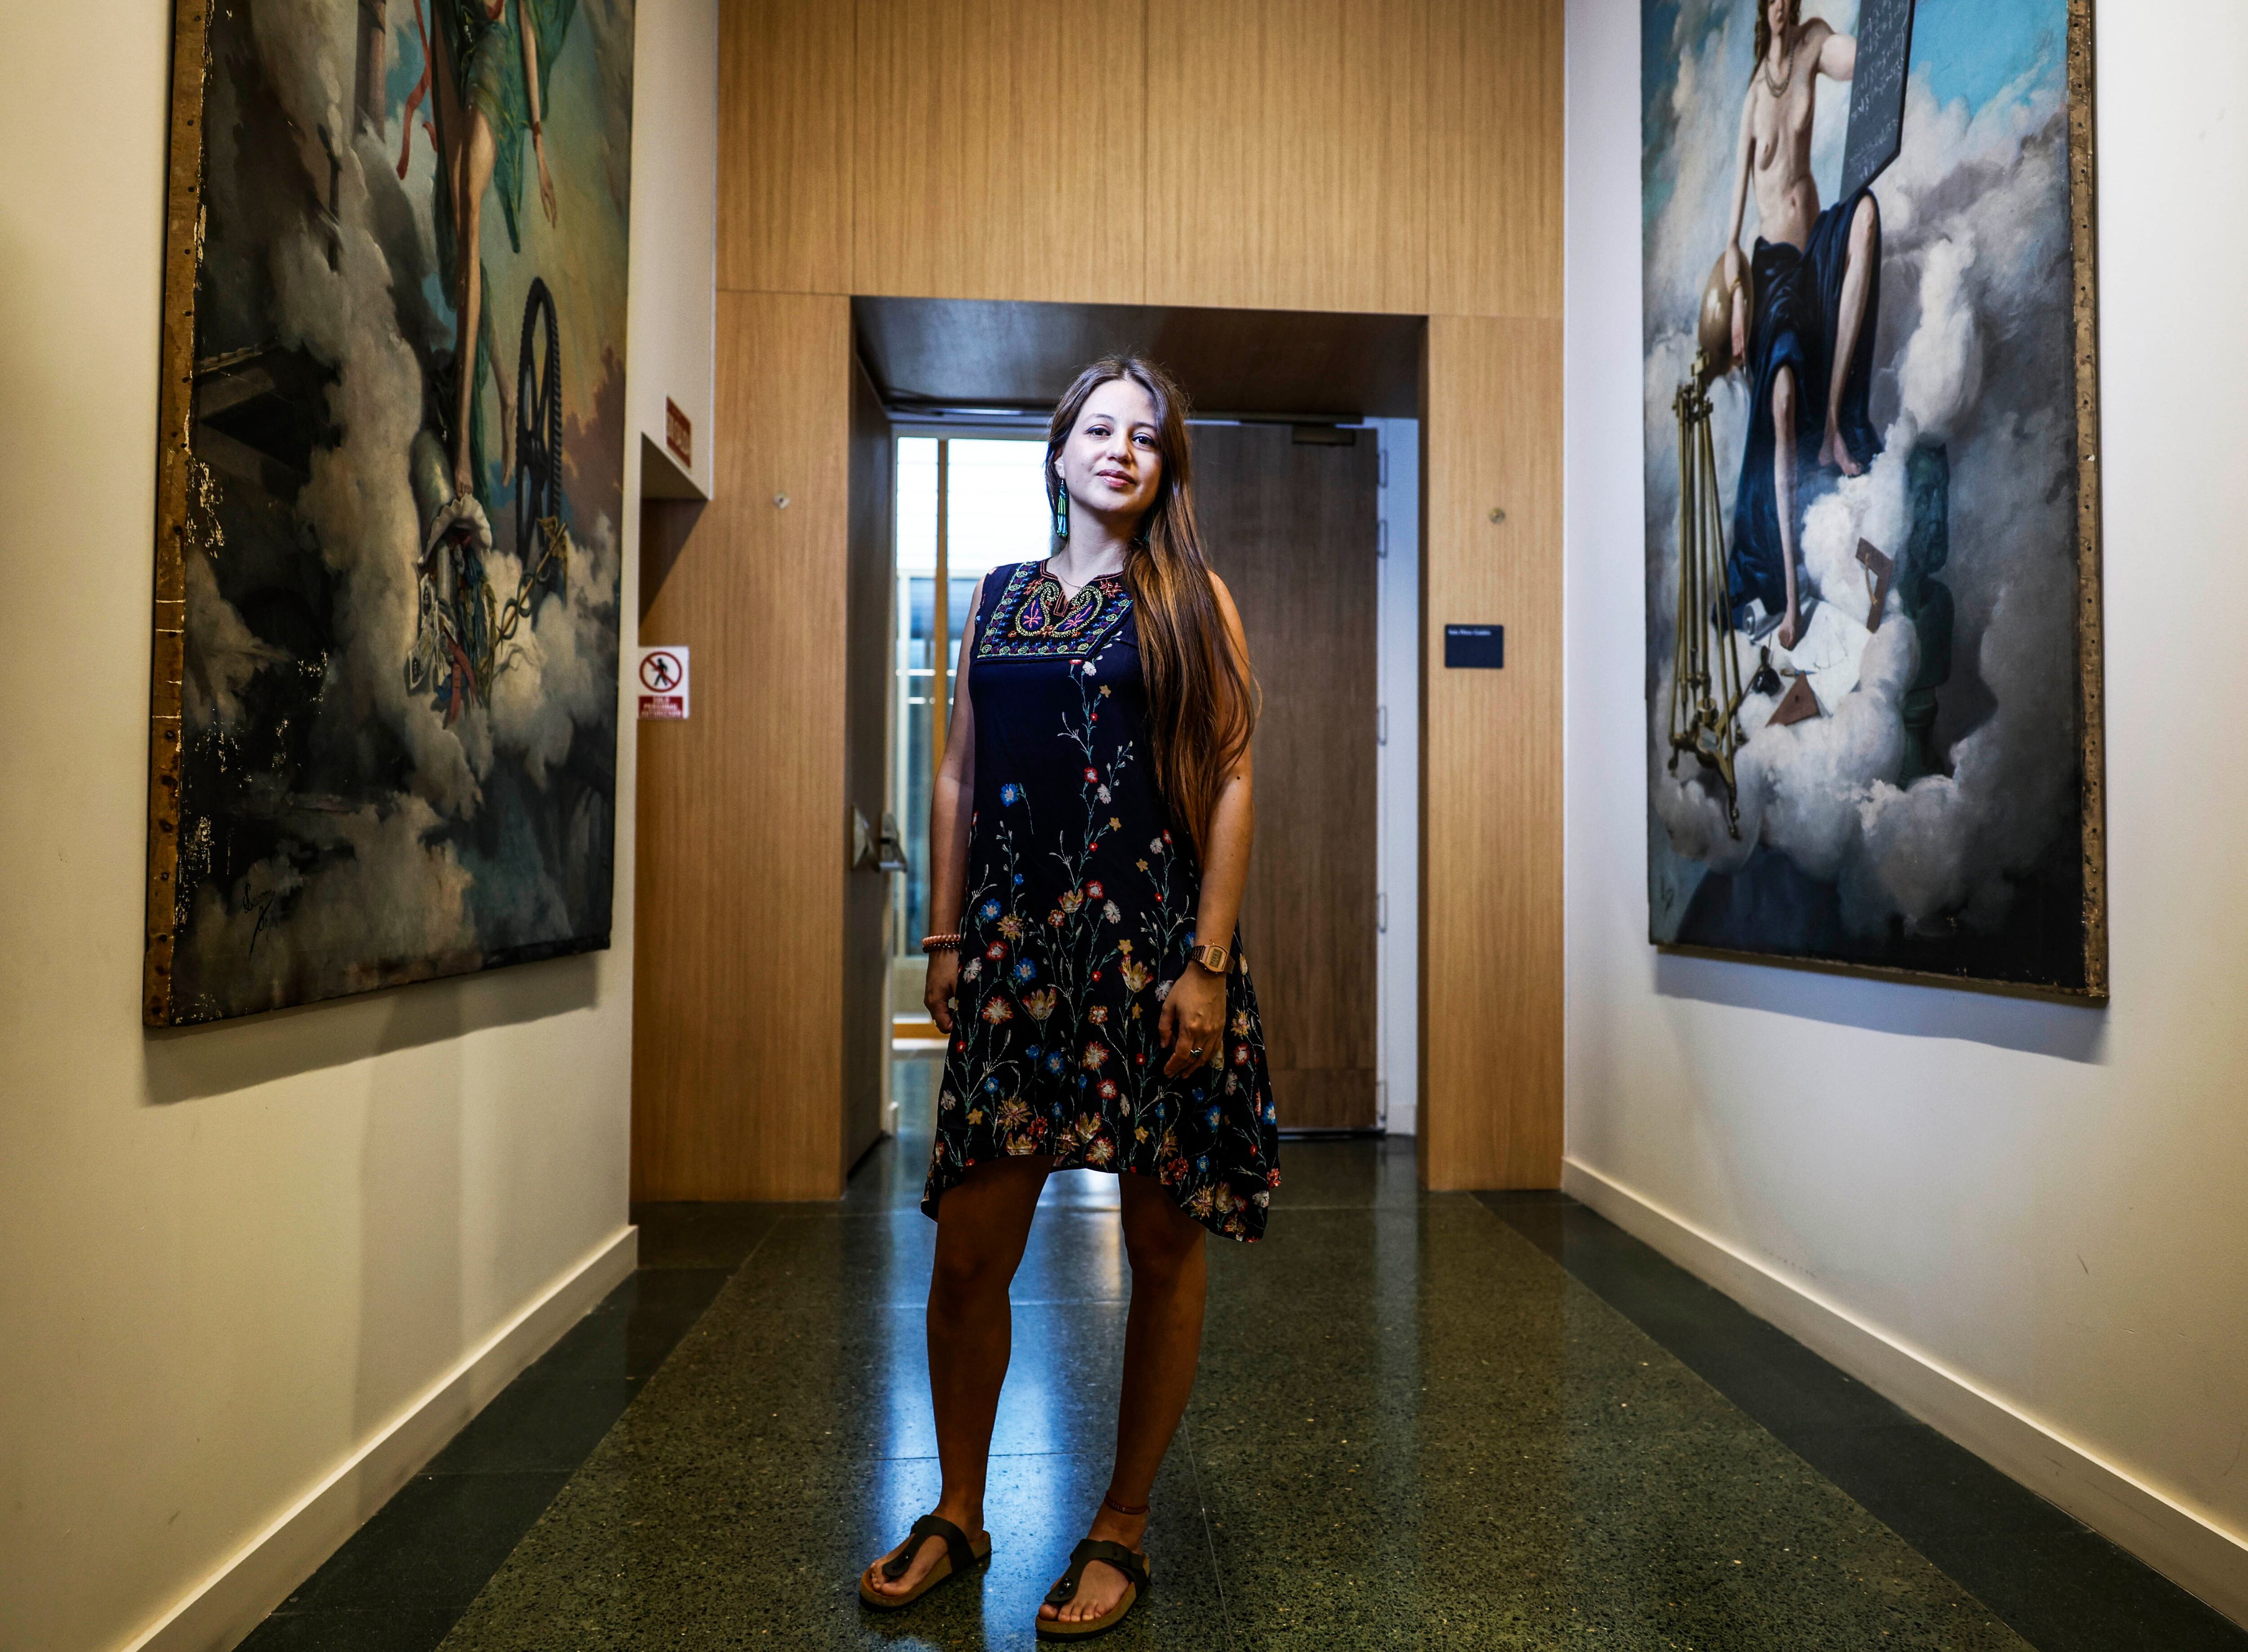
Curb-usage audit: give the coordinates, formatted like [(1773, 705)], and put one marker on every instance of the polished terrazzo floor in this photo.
[(1416, 1424)]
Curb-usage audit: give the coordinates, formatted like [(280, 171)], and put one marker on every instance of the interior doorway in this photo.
[(1300, 420), (1290, 513), (965, 504)]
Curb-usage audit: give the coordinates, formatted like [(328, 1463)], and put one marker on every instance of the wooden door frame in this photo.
[(737, 1083)]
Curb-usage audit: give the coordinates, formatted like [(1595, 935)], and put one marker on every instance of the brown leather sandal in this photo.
[(960, 1557), (1130, 1562)]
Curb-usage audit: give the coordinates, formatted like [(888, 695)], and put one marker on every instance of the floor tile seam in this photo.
[(1434, 1201), (914, 1308), (565, 1477), (530, 1379), (1666, 1342), (1426, 1201), (1208, 1537), (995, 1457), (1895, 1416), (733, 1273), (494, 1474), (1877, 1412), (1754, 1421), (921, 1303), (894, 1212)]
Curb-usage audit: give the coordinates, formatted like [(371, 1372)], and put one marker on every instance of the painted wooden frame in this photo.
[(383, 705), (1866, 825)]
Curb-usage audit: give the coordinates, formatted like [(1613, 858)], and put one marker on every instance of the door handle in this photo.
[(889, 847), (871, 853)]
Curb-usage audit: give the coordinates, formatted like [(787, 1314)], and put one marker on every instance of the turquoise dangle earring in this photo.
[(1061, 512)]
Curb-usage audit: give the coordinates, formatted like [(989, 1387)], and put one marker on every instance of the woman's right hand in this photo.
[(1737, 301), (944, 984)]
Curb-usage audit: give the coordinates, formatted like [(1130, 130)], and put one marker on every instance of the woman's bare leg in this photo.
[(982, 1226), (471, 177), (1782, 490), (1162, 1340), (1835, 451)]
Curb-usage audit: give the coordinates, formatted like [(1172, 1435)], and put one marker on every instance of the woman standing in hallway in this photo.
[(1090, 839)]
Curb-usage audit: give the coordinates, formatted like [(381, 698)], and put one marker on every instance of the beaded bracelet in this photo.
[(940, 943)]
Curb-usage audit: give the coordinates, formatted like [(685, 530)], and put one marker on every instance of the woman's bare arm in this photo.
[(950, 810), (1743, 163), (529, 32), (1737, 266), (1838, 53)]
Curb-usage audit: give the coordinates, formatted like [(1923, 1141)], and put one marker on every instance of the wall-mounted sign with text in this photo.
[(663, 682), (678, 434), (1475, 647)]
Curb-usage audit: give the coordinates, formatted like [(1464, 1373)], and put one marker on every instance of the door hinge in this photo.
[(1381, 539), (1381, 913), (1381, 725), (1381, 1103), (1384, 482)]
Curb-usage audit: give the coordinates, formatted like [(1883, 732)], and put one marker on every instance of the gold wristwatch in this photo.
[(1212, 958)]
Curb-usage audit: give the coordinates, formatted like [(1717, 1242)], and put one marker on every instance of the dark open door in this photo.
[(866, 769), (1290, 525)]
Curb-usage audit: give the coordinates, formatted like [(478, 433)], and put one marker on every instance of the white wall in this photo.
[(2030, 1223), (675, 270), (1397, 777), (232, 1259)]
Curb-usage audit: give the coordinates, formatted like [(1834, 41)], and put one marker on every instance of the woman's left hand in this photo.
[(1193, 1022)]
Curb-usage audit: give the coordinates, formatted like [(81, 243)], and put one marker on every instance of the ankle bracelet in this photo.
[(1129, 1510)]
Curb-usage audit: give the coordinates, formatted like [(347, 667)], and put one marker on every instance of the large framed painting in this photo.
[(1873, 546), (390, 478)]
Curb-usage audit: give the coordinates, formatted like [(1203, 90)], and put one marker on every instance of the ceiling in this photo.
[(954, 355)]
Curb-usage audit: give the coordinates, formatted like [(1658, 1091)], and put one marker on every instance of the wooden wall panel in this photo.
[(1398, 155), (998, 150), (1491, 991), (784, 132), (1287, 153), (738, 979), (866, 712), (1495, 71)]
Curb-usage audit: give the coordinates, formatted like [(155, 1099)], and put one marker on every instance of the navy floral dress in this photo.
[(1079, 909)]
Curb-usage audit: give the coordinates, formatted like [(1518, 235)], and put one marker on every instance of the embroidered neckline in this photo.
[(1050, 611), (1034, 619)]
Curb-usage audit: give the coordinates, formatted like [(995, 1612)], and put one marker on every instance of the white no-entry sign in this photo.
[(663, 682)]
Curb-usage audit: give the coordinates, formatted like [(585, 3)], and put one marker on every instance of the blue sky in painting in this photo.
[(1968, 49), (1658, 22), (1974, 49)]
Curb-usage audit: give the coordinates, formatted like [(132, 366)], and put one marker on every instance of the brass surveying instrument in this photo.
[(1705, 666)]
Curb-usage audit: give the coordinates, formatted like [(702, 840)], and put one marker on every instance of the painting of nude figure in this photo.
[(390, 486), (1872, 511)]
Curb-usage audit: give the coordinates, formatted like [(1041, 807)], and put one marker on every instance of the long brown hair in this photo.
[(1764, 24), (1201, 700)]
